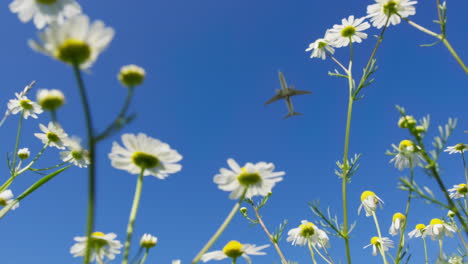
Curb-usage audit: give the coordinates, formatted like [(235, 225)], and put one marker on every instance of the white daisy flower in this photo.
[(44, 12), (349, 31), (258, 179), (407, 155), (369, 201), (438, 228), (76, 41), (176, 261), (458, 191), (23, 104), (305, 232), (398, 221), (50, 100), (24, 153), (141, 152), (52, 134), (148, 241), (131, 75), (6, 197), (320, 48), (418, 231), (234, 250), (456, 260), (458, 148), (75, 153), (376, 243), (102, 246), (391, 10)]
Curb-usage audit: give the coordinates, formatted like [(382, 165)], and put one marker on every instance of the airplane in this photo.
[(286, 93)]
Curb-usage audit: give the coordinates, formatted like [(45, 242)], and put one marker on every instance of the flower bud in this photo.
[(243, 210), (407, 122), (131, 75), (450, 213), (23, 153), (50, 100), (148, 241)]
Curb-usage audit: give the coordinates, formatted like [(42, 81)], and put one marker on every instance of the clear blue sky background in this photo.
[(211, 65)]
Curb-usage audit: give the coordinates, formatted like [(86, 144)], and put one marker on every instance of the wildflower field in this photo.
[(234, 132)]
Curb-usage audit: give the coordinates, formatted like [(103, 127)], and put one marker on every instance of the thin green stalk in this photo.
[(53, 167), (117, 122), (425, 251), (403, 227), (137, 256), (143, 260), (326, 252), (441, 251), (53, 116), (220, 229), (133, 214), (234, 260), (464, 166), (311, 250), (321, 255), (455, 55), (380, 237), (15, 152), (270, 236), (92, 158)]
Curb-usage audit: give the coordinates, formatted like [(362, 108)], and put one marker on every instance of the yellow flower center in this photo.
[(405, 144), (460, 147), (51, 102), (73, 51), (148, 243), (375, 241), (233, 249), (400, 216), (247, 179), (52, 137), (132, 77), (26, 104), (145, 160), (420, 227), (436, 221), (367, 194), (3, 202), (348, 31), (307, 230), (23, 155), (46, 2), (462, 189), (391, 7), (98, 240), (322, 44), (77, 154)]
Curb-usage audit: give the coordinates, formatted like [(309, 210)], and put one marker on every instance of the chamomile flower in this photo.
[(369, 202), (131, 75), (385, 243), (320, 48), (23, 105), (44, 12), (456, 260), (438, 228), (50, 100), (102, 246), (398, 221), (458, 148), (390, 10), (6, 198), (257, 179), (458, 191), (306, 232), (141, 152), (148, 241), (176, 261), (24, 153), (75, 41), (349, 31), (53, 134), (75, 153), (418, 231), (234, 250), (406, 155)]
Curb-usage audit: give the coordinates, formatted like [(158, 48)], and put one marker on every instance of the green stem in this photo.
[(380, 237), (464, 166), (425, 251), (30, 190), (117, 123), (311, 250), (321, 255), (15, 152), (143, 260), (49, 168), (270, 236), (53, 116), (220, 229), (234, 260), (403, 227), (92, 157), (441, 251), (133, 214)]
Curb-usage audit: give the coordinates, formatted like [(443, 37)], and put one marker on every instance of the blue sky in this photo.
[(210, 66)]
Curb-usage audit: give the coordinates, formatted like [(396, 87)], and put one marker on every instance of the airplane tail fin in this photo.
[(292, 114)]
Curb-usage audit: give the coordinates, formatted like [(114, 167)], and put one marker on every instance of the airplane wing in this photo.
[(298, 92), (284, 86), (274, 98)]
